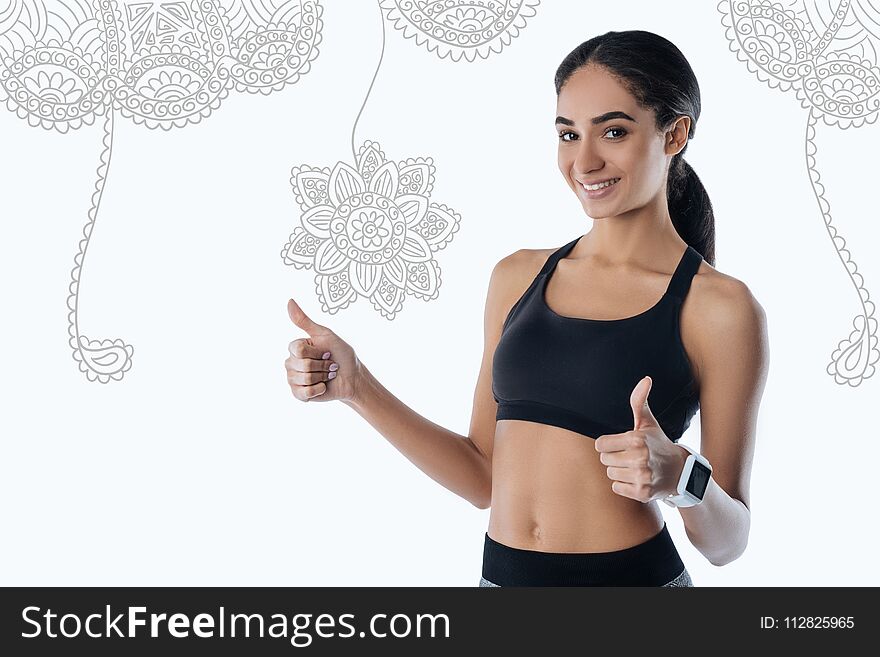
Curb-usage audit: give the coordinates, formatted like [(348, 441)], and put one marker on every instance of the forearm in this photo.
[(718, 526), (450, 459)]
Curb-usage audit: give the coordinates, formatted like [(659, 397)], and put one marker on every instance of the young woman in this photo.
[(564, 444)]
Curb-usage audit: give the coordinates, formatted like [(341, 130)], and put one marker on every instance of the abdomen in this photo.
[(550, 492)]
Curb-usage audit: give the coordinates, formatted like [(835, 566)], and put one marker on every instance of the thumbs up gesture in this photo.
[(322, 366), (644, 463)]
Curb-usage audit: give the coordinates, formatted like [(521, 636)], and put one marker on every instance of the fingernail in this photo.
[(326, 355), (334, 367), (332, 375)]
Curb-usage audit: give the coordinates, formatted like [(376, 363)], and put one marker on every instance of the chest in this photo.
[(589, 368)]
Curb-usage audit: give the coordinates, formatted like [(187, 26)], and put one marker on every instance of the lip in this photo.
[(596, 182), (599, 193)]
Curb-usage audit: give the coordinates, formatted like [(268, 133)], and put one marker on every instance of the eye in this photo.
[(622, 132), (618, 129)]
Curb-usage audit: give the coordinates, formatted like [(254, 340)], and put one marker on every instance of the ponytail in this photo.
[(690, 208)]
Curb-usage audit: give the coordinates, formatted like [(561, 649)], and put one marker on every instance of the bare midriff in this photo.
[(551, 493)]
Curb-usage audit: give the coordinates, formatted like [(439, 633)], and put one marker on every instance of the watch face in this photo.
[(699, 479)]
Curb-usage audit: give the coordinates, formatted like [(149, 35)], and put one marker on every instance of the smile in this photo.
[(600, 191), (607, 183)]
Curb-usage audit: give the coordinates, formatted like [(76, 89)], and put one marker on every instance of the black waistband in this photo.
[(652, 563)]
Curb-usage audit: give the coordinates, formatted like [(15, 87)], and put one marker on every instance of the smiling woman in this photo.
[(584, 345), (597, 354)]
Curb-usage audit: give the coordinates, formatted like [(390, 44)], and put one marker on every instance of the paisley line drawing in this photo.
[(828, 56), (160, 64), (370, 229), (460, 29)]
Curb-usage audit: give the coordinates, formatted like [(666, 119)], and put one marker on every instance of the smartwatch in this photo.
[(693, 481)]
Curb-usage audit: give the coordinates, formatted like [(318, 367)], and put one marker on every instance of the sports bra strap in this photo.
[(684, 273), (558, 254), (679, 284)]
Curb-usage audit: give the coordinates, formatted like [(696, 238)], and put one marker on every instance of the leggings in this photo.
[(655, 562)]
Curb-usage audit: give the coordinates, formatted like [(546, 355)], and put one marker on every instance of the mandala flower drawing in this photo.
[(370, 230), (826, 53), (164, 65), (460, 28)]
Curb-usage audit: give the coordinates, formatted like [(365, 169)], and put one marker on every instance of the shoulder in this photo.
[(513, 273), (511, 276), (723, 300), (722, 315)]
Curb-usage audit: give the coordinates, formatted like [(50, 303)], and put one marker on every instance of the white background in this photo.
[(200, 468)]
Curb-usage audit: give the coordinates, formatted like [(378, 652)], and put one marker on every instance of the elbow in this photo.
[(484, 499), (482, 503), (731, 556), (723, 562), (724, 559), (738, 547)]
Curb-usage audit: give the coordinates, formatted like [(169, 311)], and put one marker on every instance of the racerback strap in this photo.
[(679, 284), (684, 273), (556, 256)]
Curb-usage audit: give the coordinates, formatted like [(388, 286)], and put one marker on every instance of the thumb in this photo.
[(642, 415), (303, 321)]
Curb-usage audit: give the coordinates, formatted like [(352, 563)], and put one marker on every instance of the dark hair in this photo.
[(655, 71)]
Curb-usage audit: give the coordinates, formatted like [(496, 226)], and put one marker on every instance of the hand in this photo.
[(644, 463), (309, 373)]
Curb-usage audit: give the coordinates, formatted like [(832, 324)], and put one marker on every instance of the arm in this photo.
[(452, 460), (461, 464), (733, 364)]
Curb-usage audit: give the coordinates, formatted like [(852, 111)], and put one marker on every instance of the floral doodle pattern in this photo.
[(829, 57), (457, 28), (161, 64), (371, 230)]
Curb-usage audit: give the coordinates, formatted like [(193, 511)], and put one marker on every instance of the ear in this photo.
[(678, 135)]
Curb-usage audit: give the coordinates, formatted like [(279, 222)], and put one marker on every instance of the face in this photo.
[(605, 135)]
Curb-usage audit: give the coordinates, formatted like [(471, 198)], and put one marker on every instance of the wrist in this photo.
[(682, 454), (363, 383), (693, 479)]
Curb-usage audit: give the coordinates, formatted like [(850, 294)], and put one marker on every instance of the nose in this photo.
[(586, 158)]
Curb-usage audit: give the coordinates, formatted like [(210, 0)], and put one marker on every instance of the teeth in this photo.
[(601, 185)]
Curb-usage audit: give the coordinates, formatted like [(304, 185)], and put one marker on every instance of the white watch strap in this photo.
[(686, 499)]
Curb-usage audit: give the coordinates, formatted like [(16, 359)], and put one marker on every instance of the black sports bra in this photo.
[(578, 373)]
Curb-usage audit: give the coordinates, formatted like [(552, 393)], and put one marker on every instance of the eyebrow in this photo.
[(596, 120)]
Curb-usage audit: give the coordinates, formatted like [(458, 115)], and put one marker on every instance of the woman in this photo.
[(564, 445)]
